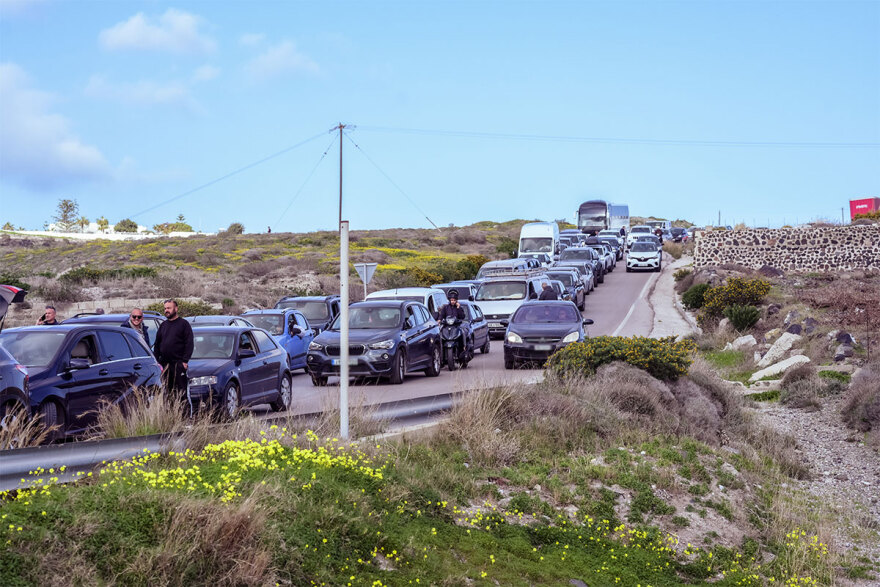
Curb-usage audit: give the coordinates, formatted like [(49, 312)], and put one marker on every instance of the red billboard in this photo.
[(863, 206)]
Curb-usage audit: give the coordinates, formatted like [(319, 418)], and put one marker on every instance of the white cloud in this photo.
[(278, 60), (175, 31), (205, 73), (38, 149), (143, 93), (251, 39)]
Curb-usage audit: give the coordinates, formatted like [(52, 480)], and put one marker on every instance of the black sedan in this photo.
[(573, 284), (538, 329), (387, 338), (74, 368), (234, 367)]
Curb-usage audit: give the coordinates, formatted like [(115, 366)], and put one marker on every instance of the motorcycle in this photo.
[(454, 348)]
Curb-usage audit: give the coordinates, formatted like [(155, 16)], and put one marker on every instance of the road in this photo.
[(618, 307)]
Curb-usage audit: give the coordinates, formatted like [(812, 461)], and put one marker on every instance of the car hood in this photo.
[(357, 335), (555, 329), (203, 367)]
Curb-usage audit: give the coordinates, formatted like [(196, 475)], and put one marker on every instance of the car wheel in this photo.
[(509, 362), (398, 367), (285, 395), (436, 365), (485, 348), (231, 400), (319, 380), (629, 269), (53, 419)]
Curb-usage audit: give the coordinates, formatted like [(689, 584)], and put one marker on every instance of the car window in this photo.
[(247, 342), (137, 345), (427, 317), (440, 300), (114, 346), (85, 348), (152, 323), (264, 341), (415, 315), (301, 321)]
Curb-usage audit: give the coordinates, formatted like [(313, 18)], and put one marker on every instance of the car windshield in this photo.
[(212, 346), (577, 255), (565, 278), (536, 245), (365, 318), (31, 348), (545, 314), (400, 298), (501, 290), (311, 310), (641, 229), (271, 323), (644, 247)]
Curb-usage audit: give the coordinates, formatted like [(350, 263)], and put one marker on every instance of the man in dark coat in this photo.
[(174, 348), (548, 293), (136, 322)]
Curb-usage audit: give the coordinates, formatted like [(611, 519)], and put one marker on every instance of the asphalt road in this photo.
[(618, 307)]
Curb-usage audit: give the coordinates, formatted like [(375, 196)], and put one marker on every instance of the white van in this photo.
[(499, 297), (539, 237), (432, 297), (503, 266)]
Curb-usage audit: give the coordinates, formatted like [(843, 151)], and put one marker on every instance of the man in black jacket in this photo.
[(136, 322), (547, 293), (174, 348)]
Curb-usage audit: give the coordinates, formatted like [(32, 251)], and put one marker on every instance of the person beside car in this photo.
[(136, 322), (49, 318), (547, 292), (174, 348)]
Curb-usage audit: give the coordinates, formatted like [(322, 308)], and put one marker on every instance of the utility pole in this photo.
[(719, 217), (343, 305)]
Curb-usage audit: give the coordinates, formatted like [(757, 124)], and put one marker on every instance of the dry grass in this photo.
[(861, 403), (145, 412), (476, 422), (19, 430)]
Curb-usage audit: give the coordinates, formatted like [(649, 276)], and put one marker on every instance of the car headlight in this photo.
[(385, 344), (514, 338), (314, 346), (571, 337), (207, 380)]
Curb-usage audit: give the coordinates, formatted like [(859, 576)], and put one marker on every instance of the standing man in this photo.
[(547, 292), (49, 318), (174, 348), (136, 322)]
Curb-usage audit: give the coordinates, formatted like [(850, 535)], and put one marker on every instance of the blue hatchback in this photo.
[(290, 329)]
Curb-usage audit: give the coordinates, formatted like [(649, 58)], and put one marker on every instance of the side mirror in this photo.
[(470, 298), (533, 296), (408, 324), (246, 353), (587, 321), (295, 331), (77, 364)]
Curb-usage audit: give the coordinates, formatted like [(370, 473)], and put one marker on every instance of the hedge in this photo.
[(664, 358)]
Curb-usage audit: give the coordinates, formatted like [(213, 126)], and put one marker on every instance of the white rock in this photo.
[(742, 342), (780, 367), (779, 348)]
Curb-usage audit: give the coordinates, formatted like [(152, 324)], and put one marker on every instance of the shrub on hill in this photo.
[(737, 291), (693, 298), (126, 225), (186, 308), (742, 317), (663, 358)]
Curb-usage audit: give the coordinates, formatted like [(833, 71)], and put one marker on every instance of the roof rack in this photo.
[(533, 272)]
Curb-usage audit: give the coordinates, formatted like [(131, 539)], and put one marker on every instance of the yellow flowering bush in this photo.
[(737, 291), (663, 358)]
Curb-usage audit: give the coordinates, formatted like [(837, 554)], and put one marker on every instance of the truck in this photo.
[(863, 206), (539, 237), (619, 217)]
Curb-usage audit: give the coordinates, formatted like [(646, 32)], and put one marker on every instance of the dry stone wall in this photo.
[(833, 248)]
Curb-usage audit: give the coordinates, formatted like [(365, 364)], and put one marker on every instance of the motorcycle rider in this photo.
[(453, 309)]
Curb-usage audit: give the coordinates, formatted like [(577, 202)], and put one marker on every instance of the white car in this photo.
[(637, 231), (644, 255)]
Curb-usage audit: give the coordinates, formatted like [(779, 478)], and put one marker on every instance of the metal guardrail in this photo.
[(16, 466)]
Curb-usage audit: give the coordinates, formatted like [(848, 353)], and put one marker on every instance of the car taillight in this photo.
[(22, 369)]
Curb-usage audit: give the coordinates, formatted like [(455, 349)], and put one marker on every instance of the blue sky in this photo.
[(761, 110)]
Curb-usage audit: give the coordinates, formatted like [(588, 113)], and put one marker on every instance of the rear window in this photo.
[(643, 247), (546, 313)]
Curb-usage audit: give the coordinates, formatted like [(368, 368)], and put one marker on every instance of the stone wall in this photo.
[(833, 248)]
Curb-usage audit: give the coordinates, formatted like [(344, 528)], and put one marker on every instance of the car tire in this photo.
[(231, 400), (285, 395), (485, 348), (319, 380), (629, 269), (398, 368), (509, 362), (436, 365), (53, 419)]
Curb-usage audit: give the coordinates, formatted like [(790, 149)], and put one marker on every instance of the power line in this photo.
[(612, 140), (299, 191), (405, 195), (228, 175)]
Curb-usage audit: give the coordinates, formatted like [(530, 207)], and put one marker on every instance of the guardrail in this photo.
[(16, 465)]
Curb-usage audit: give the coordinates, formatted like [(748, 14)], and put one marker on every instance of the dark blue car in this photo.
[(540, 328), (74, 368), (320, 311), (387, 338), (233, 367), (152, 320)]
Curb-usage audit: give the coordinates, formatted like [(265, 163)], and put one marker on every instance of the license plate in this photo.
[(495, 325), (543, 347), (337, 362)]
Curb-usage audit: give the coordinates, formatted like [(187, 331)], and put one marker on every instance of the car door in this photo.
[(305, 338), (480, 326), (416, 337), (251, 370), (84, 388), (120, 363), (274, 361)]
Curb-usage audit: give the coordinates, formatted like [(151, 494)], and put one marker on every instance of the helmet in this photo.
[(452, 294)]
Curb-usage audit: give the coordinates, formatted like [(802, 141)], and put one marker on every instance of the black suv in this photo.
[(73, 368), (320, 311)]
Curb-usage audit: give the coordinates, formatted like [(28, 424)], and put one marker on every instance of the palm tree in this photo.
[(83, 223)]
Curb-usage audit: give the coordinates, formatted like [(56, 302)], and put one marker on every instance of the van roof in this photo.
[(406, 291)]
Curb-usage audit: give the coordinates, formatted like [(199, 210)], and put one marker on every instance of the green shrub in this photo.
[(742, 317), (90, 274), (836, 376), (693, 298), (507, 246), (227, 302), (14, 281), (126, 225), (681, 273), (186, 308), (235, 228), (663, 358), (737, 291)]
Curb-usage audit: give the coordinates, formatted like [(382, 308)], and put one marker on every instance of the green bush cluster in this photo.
[(737, 291), (90, 274), (664, 358), (186, 308), (14, 281), (681, 273), (742, 317), (440, 271), (693, 298)]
